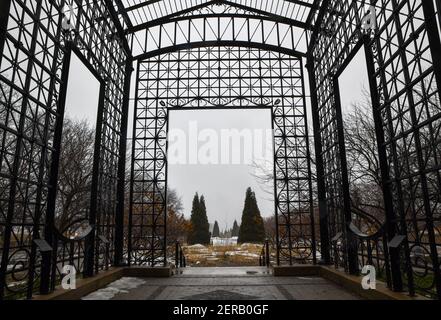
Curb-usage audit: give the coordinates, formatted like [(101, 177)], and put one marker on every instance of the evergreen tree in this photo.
[(251, 227), (235, 230), (199, 232), (194, 220), (216, 232), (205, 226)]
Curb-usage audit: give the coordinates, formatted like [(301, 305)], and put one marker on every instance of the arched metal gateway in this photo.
[(221, 54)]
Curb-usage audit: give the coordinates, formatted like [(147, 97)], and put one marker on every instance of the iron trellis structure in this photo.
[(220, 54), (404, 78), (220, 77), (36, 51)]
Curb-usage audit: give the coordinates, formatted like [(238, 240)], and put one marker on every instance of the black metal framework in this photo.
[(33, 75), (404, 82), (220, 77), (238, 53), (221, 24)]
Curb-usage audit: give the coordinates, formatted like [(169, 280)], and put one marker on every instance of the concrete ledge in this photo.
[(102, 279), (84, 286), (296, 270), (157, 272), (353, 283), (349, 282)]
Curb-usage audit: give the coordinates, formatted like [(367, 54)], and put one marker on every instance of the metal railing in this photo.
[(180, 259), (264, 258)]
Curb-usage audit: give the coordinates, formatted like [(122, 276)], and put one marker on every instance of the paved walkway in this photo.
[(223, 283)]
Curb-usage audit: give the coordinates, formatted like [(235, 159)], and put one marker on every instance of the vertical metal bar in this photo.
[(416, 132), (434, 39), (287, 215), (396, 179), (155, 186), (369, 252), (47, 258), (276, 198), (438, 9), (19, 144), (267, 257), (4, 16), (391, 226), (42, 169), (71, 253), (132, 170), (89, 256), (164, 209), (351, 241), (119, 217), (435, 49), (177, 254), (5, 6), (321, 189), (308, 160)]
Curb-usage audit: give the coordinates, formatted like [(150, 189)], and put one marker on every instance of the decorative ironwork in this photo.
[(220, 77), (35, 52), (404, 81), (255, 52)]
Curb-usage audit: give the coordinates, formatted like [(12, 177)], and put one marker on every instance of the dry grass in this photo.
[(223, 256)]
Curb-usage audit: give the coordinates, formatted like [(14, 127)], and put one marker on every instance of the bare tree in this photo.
[(362, 160), (263, 172), (177, 225), (75, 173), (269, 224)]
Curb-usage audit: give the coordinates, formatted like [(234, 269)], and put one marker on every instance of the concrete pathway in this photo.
[(223, 283)]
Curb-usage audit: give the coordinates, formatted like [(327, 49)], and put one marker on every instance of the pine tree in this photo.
[(235, 230), (194, 220), (216, 231), (200, 228), (205, 226), (251, 227)]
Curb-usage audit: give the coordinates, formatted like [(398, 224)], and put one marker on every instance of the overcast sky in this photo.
[(223, 185)]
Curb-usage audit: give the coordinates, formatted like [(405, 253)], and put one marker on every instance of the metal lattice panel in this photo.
[(140, 11), (33, 78), (405, 81), (220, 77), (218, 24)]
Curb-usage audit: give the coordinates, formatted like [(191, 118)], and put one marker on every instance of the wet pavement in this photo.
[(223, 283)]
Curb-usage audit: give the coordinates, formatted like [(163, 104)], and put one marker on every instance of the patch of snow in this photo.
[(253, 255), (247, 244), (122, 285), (241, 253), (212, 259), (17, 284), (197, 246)]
